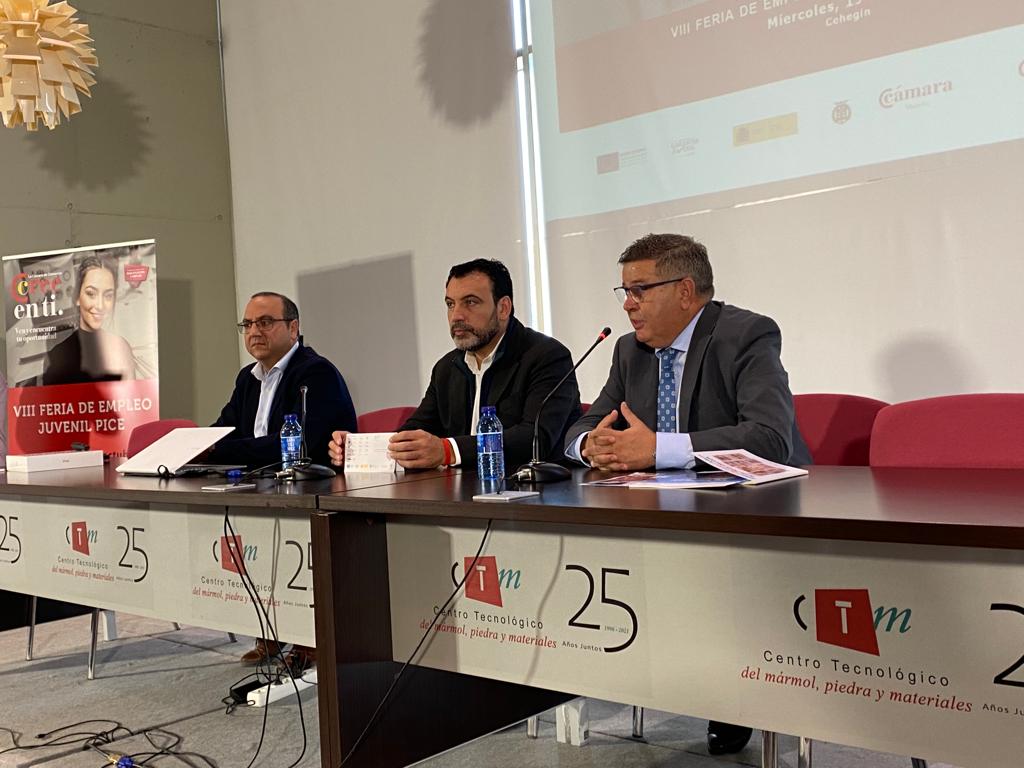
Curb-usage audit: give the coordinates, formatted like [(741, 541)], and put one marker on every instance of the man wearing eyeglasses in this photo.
[(695, 375), (268, 389), (264, 393)]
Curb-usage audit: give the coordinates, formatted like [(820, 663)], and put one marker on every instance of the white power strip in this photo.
[(260, 697)]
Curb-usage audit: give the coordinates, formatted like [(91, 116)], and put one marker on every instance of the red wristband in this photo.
[(449, 458)]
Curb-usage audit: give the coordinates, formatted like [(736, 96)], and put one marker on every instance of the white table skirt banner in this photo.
[(908, 649), (165, 561)]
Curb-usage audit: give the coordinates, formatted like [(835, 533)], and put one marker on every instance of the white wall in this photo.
[(363, 130)]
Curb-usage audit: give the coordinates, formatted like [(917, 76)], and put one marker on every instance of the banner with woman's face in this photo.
[(81, 346)]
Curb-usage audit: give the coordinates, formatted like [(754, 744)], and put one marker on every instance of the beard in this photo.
[(476, 338)]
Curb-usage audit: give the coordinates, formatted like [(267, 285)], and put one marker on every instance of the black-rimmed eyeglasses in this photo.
[(263, 323), (636, 292)]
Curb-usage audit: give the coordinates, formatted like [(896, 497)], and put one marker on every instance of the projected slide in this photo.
[(641, 101)]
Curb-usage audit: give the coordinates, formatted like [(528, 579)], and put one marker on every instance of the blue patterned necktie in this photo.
[(667, 410)]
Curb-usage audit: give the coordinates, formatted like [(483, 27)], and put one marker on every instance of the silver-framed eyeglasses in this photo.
[(264, 323), (636, 292)]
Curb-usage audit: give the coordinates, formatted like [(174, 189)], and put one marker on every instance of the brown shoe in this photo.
[(262, 652), (299, 659)]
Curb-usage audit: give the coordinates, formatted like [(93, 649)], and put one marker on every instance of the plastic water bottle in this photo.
[(490, 451), (291, 441)]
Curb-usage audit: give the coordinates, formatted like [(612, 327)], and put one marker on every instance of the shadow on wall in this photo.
[(102, 146), (924, 365), (466, 58), (176, 328), (372, 340)]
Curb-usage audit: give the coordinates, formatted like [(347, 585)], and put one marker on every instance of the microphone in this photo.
[(304, 468), (537, 471)]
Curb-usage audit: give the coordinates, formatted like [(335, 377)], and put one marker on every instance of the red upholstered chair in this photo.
[(837, 428), (145, 435), (981, 431), (386, 419)]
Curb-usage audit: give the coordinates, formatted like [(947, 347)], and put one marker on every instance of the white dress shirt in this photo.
[(268, 386), (478, 370)]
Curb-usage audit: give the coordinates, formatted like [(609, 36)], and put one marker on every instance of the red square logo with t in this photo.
[(482, 580), (231, 554), (80, 537), (844, 618)]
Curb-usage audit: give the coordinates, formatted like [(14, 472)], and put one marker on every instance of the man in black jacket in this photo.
[(496, 361), (264, 393), (269, 389)]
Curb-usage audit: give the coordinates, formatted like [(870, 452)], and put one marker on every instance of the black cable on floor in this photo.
[(68, 737), (439, 615), (250, 588)]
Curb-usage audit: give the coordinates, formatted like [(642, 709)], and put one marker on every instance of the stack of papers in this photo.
[(753, 469), (681, 478), (731, 468)]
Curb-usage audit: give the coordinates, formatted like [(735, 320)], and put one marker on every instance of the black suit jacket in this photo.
[(329, 407), (734, 392), (526, 367)]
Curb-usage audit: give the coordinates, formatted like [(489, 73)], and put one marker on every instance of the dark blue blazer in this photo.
[(328, 407)]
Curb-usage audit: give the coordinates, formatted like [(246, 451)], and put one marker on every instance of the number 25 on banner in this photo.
[(575, 622), (10, 544), (1003, 678)]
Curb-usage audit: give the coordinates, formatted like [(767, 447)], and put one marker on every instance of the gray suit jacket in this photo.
[(734, 392)]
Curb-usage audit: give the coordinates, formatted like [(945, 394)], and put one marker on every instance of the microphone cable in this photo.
[(261, 616), (440, 613)]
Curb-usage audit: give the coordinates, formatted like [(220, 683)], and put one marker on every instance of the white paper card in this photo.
[(505, 496), (368, 452)]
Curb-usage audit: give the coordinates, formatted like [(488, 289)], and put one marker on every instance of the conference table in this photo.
[(880, 608)]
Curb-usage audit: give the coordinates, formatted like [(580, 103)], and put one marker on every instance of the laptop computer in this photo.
[(171, 453)]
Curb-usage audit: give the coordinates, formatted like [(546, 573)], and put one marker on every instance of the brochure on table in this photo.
[(731, 468)]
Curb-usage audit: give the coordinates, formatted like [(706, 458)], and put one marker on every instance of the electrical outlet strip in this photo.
[(263, 695)]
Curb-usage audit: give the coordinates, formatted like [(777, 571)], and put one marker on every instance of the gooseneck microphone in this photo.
[(537, 471), (304, 468)]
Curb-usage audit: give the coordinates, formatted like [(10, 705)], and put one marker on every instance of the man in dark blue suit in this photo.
[(269, 389), (264, 393)]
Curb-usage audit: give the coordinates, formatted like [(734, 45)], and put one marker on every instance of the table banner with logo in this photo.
[(171, 562), (899, 648), (81, 346)]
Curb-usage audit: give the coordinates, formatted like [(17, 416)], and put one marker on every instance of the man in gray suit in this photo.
[(695, 375)]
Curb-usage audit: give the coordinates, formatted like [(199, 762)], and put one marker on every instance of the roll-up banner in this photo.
[(81, 346)]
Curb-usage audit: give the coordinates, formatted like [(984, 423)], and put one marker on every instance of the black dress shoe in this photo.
[(726, 738)]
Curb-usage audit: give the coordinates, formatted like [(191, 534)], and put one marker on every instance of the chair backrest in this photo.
[(972, 431), (146, 434), (386, 419), (837, 428)]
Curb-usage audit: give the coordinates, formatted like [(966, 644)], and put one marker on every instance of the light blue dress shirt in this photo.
[(674, 450)]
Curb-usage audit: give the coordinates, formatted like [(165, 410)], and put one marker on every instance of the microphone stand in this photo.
[(537, 471), (304, 468)]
